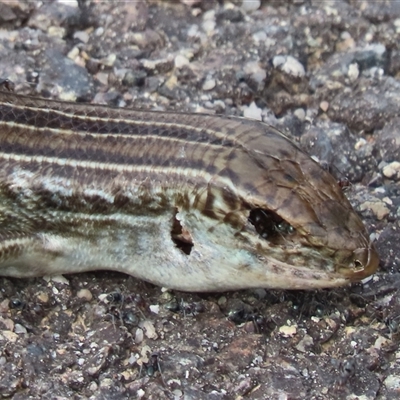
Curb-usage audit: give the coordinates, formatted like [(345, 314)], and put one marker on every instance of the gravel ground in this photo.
[(325, 72)]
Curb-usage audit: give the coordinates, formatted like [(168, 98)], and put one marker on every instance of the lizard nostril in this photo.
[(358, 266), (365, 264)]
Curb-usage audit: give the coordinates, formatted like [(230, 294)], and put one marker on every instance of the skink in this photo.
[(186, 201)]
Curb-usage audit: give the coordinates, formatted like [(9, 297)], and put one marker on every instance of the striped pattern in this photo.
[(200, 147), (95, 160)]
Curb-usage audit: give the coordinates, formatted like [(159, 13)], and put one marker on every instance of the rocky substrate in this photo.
[(325, 72)]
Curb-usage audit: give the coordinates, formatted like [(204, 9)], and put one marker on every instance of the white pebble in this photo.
[(180, 61), (209, 84), (353, 71), (252, 112), (250, 5), (289, 65), (392, 170)]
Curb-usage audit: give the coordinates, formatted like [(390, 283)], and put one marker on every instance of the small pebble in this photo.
[(252, 112), (149, 329), (85, 294), (73, 53), (109, 60), (139, 336), (155, 308), (288, 331), (392, 170), (377, 207), (353, 71), (180, 61), (250, 5), (57, 31), (99, 31), (59, 279), (209, 84), (81, 36), (42, 297), (392, 382), (209, 22), (300, 114), (289, 65), (324, 106)]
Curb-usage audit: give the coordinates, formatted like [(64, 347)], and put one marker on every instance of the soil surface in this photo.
[(325, 72)]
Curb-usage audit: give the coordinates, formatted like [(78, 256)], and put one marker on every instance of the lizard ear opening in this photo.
[(269, 225), (181, 236)]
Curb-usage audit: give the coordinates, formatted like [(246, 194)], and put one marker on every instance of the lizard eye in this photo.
[(284, 228), (269, 225)]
